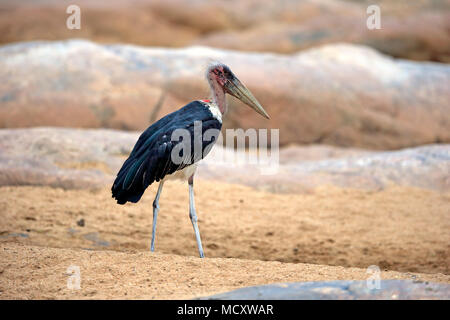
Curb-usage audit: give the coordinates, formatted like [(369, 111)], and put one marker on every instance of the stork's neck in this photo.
[(218, 95)]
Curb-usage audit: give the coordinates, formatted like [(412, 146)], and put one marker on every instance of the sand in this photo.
[(30, 272), (250, 238)]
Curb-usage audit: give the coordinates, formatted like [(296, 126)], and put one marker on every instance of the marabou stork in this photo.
[(152, 158)]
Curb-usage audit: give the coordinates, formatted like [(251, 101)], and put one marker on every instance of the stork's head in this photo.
[(220, 75)]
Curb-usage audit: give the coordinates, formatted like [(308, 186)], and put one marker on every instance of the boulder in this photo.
[(410, 29), (81, 158), (425, 167), (341, 290), (341, 95), (63, 158)]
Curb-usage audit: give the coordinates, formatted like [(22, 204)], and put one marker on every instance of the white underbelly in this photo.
[(183, 174)]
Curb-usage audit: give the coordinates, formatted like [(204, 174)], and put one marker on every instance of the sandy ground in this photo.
[(330, 234), (30, 272)]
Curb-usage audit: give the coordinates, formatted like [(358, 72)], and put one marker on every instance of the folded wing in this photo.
[(162, 150)]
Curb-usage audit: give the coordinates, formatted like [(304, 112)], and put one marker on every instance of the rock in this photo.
[(412, 30), (294, 154), (424, 167), (14, 235), (95, 239), (64, 158), (340, 95), (81, 223), (316, 23), (81, 158), (340, 290), (115, 21)]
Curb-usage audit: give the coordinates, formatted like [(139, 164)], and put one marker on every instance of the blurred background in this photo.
[(363, 114), (347, 95), (321, 73), (416, 30)]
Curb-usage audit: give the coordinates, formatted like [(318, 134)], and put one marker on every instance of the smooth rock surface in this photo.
[(81, 158), (341, 95), (340, 290), (409, 29)]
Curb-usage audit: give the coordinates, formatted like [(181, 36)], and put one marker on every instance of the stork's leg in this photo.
[(193, 216), (155, 214)]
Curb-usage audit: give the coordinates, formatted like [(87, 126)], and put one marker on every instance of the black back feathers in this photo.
[(170, 144)]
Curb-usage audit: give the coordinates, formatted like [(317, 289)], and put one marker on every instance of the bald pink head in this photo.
[(222, 80)]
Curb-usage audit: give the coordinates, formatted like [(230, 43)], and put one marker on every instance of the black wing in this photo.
[(163, 149)]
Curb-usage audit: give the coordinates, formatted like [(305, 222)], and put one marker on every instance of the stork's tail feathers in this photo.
[(124, 187), (123, 196)]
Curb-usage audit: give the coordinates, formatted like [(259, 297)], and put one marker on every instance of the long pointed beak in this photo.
[(238, 90)]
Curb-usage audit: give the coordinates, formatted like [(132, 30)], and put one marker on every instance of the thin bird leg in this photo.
[(155, 214), (193, 216)]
